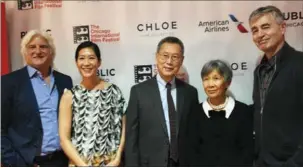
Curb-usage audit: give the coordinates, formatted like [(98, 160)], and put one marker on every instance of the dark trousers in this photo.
[(55, 159), (172, 163)]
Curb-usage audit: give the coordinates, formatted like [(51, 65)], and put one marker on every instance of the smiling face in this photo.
[(267, 34), (38, 53), (87, 63), (214, 85), (169, 60)]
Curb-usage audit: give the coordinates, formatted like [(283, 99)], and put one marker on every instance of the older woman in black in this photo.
[(226, 125)]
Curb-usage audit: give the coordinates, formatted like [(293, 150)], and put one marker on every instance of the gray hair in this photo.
[(274, 11), (32, 33), (221, 66)]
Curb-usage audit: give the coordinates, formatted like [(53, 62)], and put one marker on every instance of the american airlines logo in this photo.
[(240, 26)]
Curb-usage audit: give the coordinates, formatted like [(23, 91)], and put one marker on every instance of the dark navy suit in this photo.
[(21, 127)]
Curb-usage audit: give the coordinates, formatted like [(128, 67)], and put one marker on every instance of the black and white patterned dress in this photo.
[(97, 123)]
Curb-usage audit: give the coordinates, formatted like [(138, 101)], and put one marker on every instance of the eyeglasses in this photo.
[(164, 57)]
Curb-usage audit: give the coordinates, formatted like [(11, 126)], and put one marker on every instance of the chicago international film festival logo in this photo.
[(144, 72), (25, 4), (81, 34), (95, 34), (38, 4)]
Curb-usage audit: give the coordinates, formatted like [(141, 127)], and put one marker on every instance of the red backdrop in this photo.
[(5, 64)]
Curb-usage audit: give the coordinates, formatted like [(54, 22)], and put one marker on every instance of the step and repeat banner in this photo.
[(128, 32)]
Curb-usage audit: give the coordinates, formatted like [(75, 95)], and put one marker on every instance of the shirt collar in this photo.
[(163, 82), (33, 71), (272, 61), (228, 108)]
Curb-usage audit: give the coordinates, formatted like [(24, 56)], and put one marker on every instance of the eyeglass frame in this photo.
[(165, 56)]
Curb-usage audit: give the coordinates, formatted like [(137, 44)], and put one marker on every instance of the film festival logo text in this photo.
[(23, 33), (38, 4), (106, 74), (95, 34), (293, 19), (165, 28), (144, 72)]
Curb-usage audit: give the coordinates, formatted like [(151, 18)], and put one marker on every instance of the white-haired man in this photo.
[(29, 102)]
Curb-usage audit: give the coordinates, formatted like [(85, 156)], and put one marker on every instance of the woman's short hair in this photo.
[(91, 45), (221, 66), (33, 33)]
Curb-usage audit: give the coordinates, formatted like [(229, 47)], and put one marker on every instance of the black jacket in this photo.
[(226, 142), (279, 123)]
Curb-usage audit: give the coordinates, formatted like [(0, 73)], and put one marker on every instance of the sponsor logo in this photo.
[(106, 74), (38, 4), (95, 34), (239, 24), (23, 33), (214, 26), (239, 68), (293, 19), (165, 28), (81, 34), (144, 72)]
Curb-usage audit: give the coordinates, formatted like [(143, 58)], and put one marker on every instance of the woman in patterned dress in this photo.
[(91, 118)]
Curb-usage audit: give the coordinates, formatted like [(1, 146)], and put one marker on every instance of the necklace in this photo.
[(218, 107)]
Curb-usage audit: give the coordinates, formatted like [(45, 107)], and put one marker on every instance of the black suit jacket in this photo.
[(279, 123), (21, 127), (147, 142)]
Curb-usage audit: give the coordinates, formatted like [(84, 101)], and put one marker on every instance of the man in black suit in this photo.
[(278, 92), (157, 113), (29, 101)]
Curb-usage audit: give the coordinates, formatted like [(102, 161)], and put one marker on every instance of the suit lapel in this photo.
[(59, 85), (29, 92), (281, 62), (180, 101), (155, 95)]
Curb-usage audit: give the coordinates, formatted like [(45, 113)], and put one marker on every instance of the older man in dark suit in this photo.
[(157, 113), (29, 102)]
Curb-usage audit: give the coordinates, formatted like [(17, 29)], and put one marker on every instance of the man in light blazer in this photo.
[(157, 113), (29, 107)]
